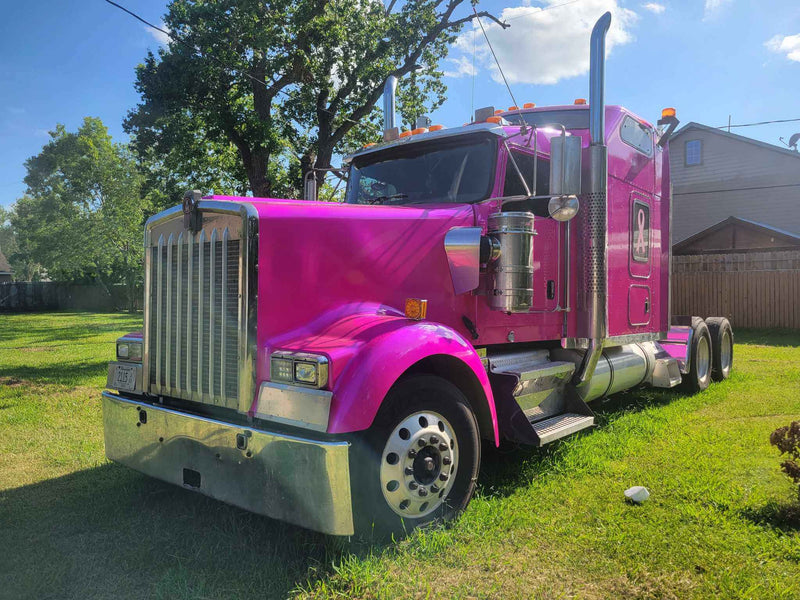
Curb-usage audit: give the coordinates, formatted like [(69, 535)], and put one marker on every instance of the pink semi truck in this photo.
[(337, 365)]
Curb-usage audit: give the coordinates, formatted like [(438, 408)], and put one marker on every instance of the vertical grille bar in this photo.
[(189, 303), (179, 321), (212, 289), (224, 313), (159, 311), (200, 291), (168, 339)]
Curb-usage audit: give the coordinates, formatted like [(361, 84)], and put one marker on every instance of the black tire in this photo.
[(375, 519), (722, 347), (699, 376)]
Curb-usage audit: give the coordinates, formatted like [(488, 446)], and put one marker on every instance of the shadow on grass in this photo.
[(768, 337), (785, 517), (110, 532), (502, 468), (66, 373), (67, 326)]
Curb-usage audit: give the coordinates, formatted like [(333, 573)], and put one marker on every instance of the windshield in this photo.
[(437, 171), (570, 119)]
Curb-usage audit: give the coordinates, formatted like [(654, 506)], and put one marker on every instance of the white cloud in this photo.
[(544, 46), (785, 44), (714, 6), (161, 37), (461, 67), (654, 7)]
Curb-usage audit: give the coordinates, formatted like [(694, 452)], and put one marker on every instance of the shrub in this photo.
[(787, 440)]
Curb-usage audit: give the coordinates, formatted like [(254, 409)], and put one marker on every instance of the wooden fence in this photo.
[(759, 289)]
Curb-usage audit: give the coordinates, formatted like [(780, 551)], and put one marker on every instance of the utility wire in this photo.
[(759, 123), (497, 62), (744, 189), (195, 50), (536, 10)]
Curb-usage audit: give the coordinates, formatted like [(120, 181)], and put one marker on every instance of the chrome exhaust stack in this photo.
[(390, 129), (595, 218)]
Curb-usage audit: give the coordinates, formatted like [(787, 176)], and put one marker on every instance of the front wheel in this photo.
[(419, 461)]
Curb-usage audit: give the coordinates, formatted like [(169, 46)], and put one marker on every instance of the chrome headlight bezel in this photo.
[(130, 349), (283, 368)]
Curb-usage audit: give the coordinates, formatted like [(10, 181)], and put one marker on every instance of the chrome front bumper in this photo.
[(305, 482)]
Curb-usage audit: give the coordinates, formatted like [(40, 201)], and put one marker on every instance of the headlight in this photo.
[(129, 350), (299, 368)]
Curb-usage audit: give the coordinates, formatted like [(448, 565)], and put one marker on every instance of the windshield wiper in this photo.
[(382, 199)]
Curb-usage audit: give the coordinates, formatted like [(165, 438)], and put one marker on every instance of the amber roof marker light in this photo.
[(668, 112), (670, 119)]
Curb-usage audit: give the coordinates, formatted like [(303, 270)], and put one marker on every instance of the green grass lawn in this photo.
[(546, 523)]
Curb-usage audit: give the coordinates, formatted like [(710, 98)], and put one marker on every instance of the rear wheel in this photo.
[(419, 461), (699, 376), (721, 347)]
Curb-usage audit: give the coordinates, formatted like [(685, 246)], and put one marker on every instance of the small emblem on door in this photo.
[(640, 228)]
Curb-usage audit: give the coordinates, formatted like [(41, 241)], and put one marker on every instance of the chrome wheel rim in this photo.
[(726, 354), (703, 359), (418, 464)]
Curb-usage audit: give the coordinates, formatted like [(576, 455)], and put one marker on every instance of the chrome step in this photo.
[(537, 379), (560, 426)]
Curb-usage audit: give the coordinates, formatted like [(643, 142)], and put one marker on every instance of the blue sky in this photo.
[(61, 61)]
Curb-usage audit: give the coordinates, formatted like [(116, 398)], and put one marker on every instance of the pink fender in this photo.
[(362, 386)]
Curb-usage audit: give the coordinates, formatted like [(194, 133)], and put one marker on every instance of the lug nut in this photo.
[(412, 485), (422, 442), (434, 488), (412, 453), (446, 460), (409, 471), (442, 447), (434, 440), (423, 491), (443, 477)]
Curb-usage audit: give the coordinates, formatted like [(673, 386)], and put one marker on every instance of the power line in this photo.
[(759, 123), (744, 189), (536, 10), (497, 62)]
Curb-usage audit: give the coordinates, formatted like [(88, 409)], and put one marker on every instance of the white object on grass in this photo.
[(637, 494)]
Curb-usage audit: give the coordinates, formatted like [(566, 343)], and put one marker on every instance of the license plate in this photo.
[(125, 378)]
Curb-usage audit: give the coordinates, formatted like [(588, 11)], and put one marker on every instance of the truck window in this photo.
[(570, 119), (512, 185), (637, 135), (424, 172)]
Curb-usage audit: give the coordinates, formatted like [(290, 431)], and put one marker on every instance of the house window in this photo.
[(694, 152)]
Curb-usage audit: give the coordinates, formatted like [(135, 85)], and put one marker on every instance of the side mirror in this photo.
[(563, 208), (565, 165)]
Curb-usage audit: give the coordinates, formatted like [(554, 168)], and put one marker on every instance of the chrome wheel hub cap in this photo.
[(726, 354), (703, 359), (418, 464)]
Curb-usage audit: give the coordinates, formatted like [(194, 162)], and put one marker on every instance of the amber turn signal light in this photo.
[(416, 308)]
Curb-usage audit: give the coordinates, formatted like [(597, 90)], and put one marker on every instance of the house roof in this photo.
[(4, 266), (733, 136), (790, 239)]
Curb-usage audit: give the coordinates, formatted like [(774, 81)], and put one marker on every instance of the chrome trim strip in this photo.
[(200, 326), (223, 312), (179, 308), (212, 325), (189, 275), (159, 308), (168, 361), (311, 490)]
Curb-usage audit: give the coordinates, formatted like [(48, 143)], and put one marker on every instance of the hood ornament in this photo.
[(192, 219)]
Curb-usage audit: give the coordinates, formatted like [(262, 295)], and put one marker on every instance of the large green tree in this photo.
[(82, 215), (287, 83)]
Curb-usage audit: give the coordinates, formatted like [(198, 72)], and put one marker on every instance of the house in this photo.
[(5, 269), (735, 235), (717, 174)]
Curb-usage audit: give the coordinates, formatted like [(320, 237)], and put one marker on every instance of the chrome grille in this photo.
[(198, 314)]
